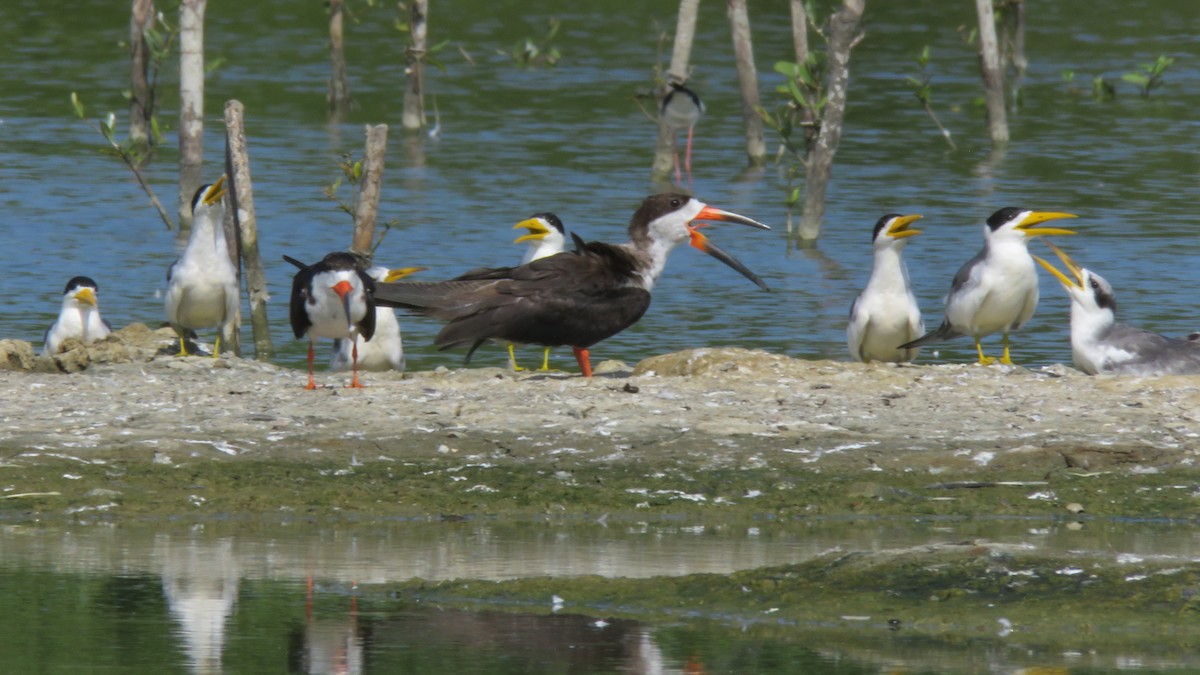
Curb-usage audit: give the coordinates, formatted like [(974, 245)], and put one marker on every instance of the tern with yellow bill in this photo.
[(79, 317), (997, 290), (576, 298), (546, 237), (202, 285), (1099, 344), (886, 312)]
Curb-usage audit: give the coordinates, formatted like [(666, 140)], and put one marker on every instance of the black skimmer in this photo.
[(384, 351), (332, 299), (997, 290), (575, 299), (202, 285), (1099, 344), (79, 317), (886, 312), (681, 109), (546, 238)]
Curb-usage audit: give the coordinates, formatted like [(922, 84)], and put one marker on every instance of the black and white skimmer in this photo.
[(332, 299), (577, 298), (546, 237), (886, 313), (997, 290), (681, 109), (384, 351), (79, 317), (1099, 344), (202, 285)]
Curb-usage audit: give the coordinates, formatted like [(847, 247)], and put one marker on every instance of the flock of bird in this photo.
[(997, 292), (580, 297)]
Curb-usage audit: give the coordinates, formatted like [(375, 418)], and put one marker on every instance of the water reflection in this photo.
[(466, 641), (330, 643), (200, 583), (248, 597)]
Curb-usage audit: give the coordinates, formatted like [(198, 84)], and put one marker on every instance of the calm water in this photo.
[(226, 597), (571, 139)]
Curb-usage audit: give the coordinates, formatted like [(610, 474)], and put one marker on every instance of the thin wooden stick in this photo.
[(139, 63), (241, 202), (681, 51), (1019, 59), (843, 36), (993, 76), (338, 98), (800, 30), (191, 106), (743, 50), (367, 208), (413, 117)]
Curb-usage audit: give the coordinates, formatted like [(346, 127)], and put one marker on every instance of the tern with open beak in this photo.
[(997, 290), (202, 285), (1099, 344), (546, 237), (886, 312)]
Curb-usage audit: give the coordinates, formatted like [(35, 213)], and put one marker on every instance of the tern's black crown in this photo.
[(1003, 216)]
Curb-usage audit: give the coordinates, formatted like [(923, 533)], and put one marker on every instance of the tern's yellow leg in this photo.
[(512, 359), (217, 346), (1005, 359), (983, 360), (546, 359), (182, 348)]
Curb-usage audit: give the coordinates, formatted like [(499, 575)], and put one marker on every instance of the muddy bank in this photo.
[(717, 424)]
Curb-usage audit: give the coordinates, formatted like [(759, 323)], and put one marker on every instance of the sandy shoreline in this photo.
[(705, 409)]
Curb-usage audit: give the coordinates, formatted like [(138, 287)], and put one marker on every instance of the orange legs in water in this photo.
[(687, 162)]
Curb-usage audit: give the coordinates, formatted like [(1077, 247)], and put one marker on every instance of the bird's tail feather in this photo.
[(944, 332), (421, 296)]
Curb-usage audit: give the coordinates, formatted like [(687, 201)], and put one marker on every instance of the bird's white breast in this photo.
[(82, 323), (887, 311), (1002, 296), (203, 287), (385, 351)]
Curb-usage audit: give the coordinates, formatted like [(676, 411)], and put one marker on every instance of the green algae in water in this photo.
[(496, 485)]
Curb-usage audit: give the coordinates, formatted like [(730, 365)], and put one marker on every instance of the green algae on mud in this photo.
[(944, 592), (497, 485)]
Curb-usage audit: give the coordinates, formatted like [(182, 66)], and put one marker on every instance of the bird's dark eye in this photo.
[(675, 203), (1095, 284)]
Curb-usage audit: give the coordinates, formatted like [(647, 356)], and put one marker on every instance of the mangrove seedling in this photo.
[(1150, 77), (802, 102), (1102, 89), (352, 172), (531, 53), (923, 91), (132, 153), (159, 36)]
